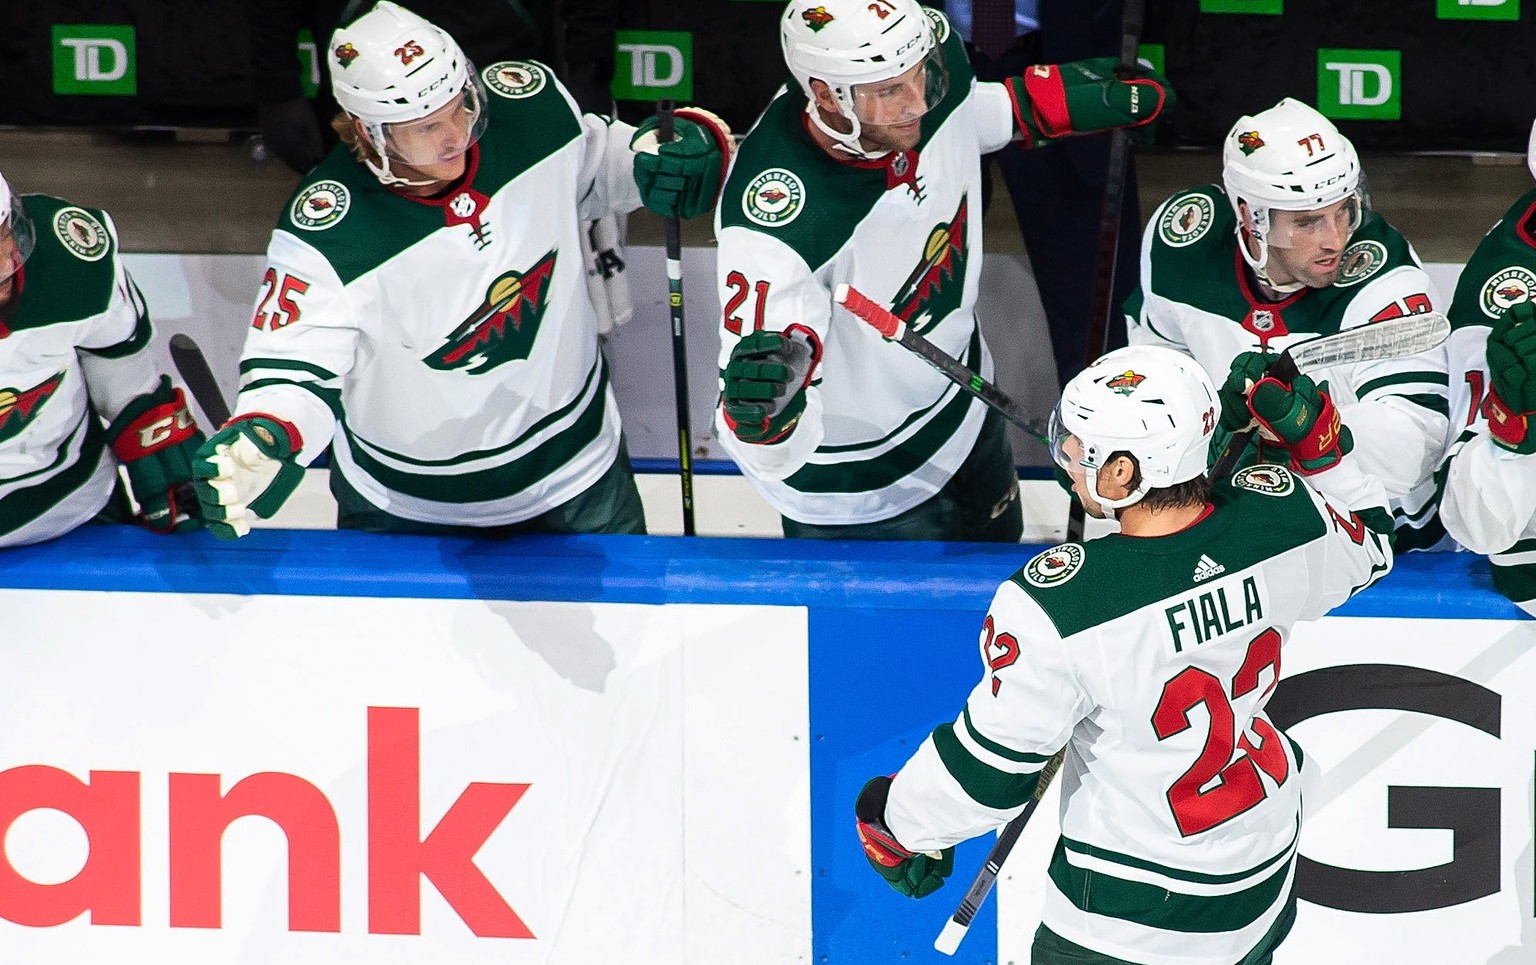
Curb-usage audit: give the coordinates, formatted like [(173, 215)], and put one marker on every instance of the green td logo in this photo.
[(1477, 9), (1155, 56), (1271, 7), (94, 59), (309, 64), (1360, 84), (653, 64)]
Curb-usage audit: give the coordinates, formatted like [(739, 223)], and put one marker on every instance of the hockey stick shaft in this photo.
[(1107, 253), (959, 923), (664, 133), (1388, 339), (192, 365), (887, 324)]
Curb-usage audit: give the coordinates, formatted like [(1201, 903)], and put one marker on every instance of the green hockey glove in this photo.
[(1305, 421), (680, 178), (157, 439), (246, 468), (916, 875), (765, 380), (1512, 378), (1052, 101), (1247, 369)]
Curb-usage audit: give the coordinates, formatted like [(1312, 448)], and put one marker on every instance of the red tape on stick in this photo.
[(869, 310)]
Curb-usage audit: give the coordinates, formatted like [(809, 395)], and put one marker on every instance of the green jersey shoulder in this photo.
[(72, 273), (1502, 271)]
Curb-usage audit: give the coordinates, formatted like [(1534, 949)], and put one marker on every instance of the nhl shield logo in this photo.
[(320, 205), (1055, 566), (515, 78), (773, 198), (1360, 261), (81, 233), (1505, 288), (1186, 220)]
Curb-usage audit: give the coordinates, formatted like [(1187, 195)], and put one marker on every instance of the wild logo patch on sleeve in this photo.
[(1186, 220), (515, 78), (1360, 261), (1055, 566), (81, 233), (320, 205), (773, 198), (1269, 480), (1506, 288)]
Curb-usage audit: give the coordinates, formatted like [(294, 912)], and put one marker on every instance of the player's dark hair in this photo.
[(1191, 492)]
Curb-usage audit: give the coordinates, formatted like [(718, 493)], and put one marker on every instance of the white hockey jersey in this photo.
[(1490, 494), (73, 351), (1196, 297), (1151, 660), (882, 430), (447, 349)]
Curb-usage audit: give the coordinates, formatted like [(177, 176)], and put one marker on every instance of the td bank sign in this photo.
[(1360, 84), (94, 59)]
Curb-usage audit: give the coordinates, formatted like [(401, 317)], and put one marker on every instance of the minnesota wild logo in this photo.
[(18, 407), (345, 54), (1125, 383), (1249, 141), (816, 18), (932, 291), (502, 329)]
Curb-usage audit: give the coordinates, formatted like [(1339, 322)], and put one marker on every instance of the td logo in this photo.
[(94, 59), (653, 64), (1360, 84), (1477, 9)]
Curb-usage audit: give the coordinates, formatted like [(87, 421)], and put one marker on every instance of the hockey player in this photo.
[(424, 310), (1286, 248), (79, 392), (867, 171), (1490, 493), (1149, 655)]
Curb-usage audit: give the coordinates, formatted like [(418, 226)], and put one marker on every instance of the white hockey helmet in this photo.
[(1154, 403), (1287, 158), (850, 44), (17, 238), (418, 97)]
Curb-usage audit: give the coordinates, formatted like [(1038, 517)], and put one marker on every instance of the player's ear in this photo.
[(1120, 476)]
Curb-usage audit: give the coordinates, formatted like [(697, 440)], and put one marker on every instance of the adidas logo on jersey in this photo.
[(1207, 568)]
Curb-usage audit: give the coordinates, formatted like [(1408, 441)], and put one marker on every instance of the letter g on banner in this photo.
[(1471, 814)]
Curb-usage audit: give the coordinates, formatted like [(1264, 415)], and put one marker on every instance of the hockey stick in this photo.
[(1387, 339), (193, 368), (1107, 254), (959, 923), (880, 318), (664, 133)]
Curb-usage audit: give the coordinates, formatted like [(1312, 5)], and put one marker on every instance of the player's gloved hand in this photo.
[(1052, 101), (680, 178), (156, 438), (1512, 378), (765, 382), (247, 467), (914, 874), (1305, 421), (291, 132), (1247, 369)]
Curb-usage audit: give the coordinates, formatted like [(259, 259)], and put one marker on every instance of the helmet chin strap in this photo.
[(1108, 506), (849, 142), (381, 170), (1260, 263)]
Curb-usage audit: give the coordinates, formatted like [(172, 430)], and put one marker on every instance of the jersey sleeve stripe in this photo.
[(248, 366), (331, 397), (1095, 858), (970, 735), (986, 785), (142, 330)]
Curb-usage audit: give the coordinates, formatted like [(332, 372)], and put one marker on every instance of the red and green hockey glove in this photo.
[(1052, 101), (1305, 421), (681, 177), (156, 438), (914, 874), (765, 380), (1512, 378), (246, 468)]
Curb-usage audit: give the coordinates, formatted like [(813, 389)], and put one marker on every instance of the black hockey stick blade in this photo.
[(193, 368)]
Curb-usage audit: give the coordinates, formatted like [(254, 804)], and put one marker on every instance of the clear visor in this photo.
[(1066, 449), (904, 98), (1329, 226), (17, 239), (442, 135)]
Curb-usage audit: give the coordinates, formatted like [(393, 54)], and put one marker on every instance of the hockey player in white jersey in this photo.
[(1490, 493), (1149, 655), (867, 171), (424, 311), (79, 390), (1286, 248)]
